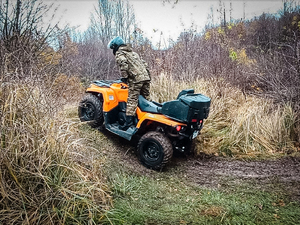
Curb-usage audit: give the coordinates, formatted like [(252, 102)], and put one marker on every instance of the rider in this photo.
[(135, 72)]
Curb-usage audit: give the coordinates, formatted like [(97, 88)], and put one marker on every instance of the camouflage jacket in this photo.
[(131, 66)]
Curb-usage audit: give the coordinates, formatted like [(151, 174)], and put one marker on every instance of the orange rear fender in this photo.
[(143, 116)]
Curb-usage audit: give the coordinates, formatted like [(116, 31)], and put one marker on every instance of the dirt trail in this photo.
[(218, 172), (266, 175), (285, 169)]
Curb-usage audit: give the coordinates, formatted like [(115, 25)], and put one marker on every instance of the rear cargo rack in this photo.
[(187, 107)]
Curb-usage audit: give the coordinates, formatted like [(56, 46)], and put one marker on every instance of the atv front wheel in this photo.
[(90, 110), (154, 150)]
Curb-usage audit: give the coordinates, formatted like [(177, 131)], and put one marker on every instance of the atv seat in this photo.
[(147, 106)]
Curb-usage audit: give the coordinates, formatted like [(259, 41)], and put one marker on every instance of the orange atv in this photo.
[(160, 128)]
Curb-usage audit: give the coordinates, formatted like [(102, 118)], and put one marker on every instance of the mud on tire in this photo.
[(90, 110), (154, 150)]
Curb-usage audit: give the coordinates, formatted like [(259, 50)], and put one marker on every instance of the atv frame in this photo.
[(159, 128)]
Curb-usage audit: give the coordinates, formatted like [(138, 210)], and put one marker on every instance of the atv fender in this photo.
[(144, 116), (110, 100)]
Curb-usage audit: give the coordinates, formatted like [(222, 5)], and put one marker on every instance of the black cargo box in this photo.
[(196, 101), (187, 107)]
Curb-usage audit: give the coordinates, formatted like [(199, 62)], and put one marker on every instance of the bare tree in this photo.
[(23, 34), (113, 18)]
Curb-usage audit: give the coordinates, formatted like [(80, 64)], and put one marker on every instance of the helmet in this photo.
[(115, 43)]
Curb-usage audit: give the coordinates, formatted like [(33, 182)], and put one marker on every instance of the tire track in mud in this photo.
[(286, 169), (218, 172), (269, 175)]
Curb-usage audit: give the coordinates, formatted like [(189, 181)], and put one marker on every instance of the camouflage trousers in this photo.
[(134, 90)]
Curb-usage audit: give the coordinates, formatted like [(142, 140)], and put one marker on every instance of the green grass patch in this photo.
[(165, 198), (150, 197)]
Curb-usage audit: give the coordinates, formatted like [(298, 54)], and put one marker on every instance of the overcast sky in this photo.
[(168, 19)]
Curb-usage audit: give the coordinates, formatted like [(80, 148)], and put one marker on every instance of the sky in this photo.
[(161, 21)]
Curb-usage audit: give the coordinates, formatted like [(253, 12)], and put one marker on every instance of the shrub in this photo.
[(43, 179), (238, 124)]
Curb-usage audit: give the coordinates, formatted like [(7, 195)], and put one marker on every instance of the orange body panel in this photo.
[(118, 92), (142, 116), (111, 96)]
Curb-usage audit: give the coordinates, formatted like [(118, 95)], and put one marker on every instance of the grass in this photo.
[(43, 179), (169, 198), (238, 125), (55, 170), (142, 196)]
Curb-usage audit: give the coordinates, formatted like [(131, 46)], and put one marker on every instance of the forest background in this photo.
[(249, 68)]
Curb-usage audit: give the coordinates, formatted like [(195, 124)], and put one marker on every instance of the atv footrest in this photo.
[(127, 134)]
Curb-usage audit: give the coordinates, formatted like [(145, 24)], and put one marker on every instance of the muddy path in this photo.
[(281, 175), (217, 172)]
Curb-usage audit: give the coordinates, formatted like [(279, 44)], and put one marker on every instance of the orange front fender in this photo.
[(109, 99), (111, 96)]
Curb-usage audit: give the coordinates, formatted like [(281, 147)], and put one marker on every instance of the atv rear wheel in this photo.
[(90, 110), (154, 150)]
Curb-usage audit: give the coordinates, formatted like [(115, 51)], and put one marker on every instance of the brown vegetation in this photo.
[(250, 70), (238, 125), (43, 177)]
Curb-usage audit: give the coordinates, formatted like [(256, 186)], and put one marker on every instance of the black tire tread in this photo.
[(99, 119), (164, 142)]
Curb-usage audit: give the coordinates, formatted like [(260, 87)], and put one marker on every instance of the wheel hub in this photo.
[(152, 151), (89, 112)]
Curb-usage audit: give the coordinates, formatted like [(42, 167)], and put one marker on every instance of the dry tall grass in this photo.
[(42, 178), (237, 124)]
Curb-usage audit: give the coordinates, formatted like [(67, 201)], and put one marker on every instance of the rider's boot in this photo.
[(128, 123)]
